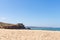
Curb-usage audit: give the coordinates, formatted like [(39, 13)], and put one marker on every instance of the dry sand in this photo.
[(6, 34)]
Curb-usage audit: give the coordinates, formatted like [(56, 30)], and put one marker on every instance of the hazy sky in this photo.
[(31, 12)]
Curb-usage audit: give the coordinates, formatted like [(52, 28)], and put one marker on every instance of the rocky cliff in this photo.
[(11, 26)]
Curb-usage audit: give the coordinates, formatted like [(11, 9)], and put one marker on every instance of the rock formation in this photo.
[(11, 26), (28, 28)]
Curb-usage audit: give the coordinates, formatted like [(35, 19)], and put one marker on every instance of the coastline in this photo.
[(12, 34)]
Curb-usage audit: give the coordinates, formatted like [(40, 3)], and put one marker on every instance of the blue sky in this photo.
[(31, 12)]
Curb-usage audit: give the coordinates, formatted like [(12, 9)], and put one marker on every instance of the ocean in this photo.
[(45, 28)]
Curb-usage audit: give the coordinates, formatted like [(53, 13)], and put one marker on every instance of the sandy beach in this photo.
[(6, 34)]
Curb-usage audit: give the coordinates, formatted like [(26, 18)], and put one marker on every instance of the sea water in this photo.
[(45, 28)]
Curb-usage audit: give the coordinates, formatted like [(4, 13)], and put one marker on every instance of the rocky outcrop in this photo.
[(12, 26), (28, 28)]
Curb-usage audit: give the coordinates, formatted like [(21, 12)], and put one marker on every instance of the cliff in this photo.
[(11, 26)]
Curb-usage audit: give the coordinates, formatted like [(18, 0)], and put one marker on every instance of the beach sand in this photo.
[(9, 34)]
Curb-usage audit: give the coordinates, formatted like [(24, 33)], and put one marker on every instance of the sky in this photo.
[(41, 13)]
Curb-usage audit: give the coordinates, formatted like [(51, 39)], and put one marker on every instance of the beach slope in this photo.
[(10, 34)]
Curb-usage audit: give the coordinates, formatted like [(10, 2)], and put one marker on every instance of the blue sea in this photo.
[(45, 28)]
